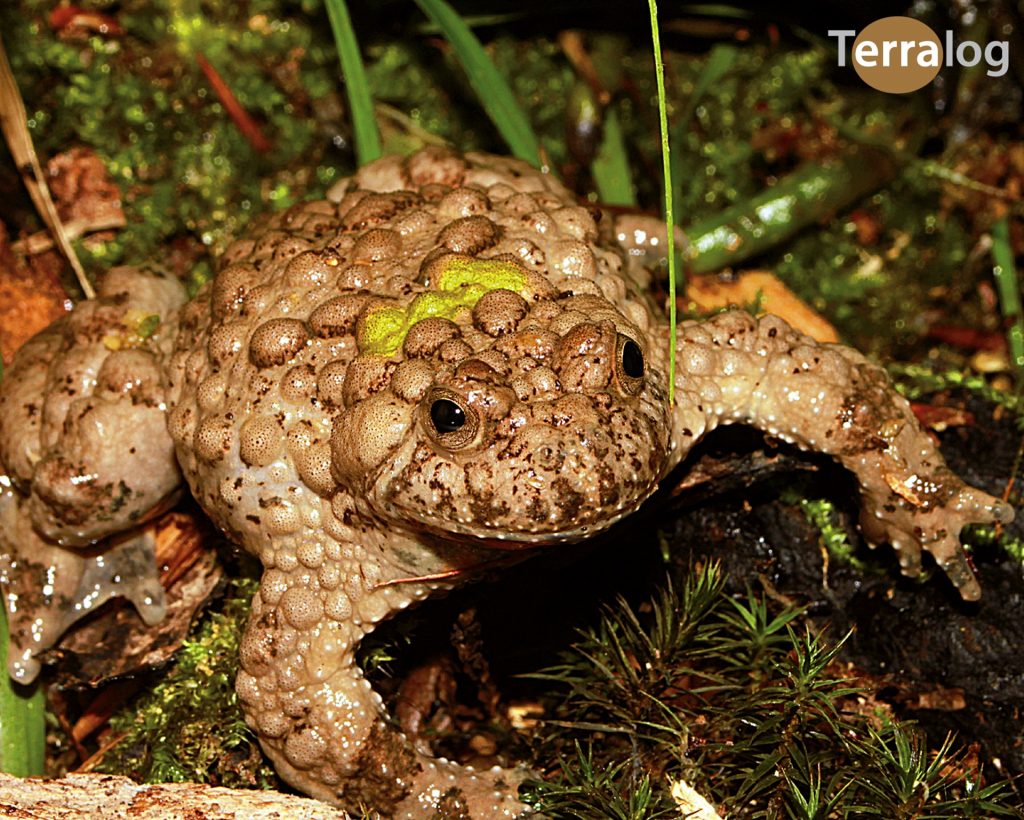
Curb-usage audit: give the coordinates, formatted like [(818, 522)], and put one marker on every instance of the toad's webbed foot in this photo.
[(911, 519), (48, 588)]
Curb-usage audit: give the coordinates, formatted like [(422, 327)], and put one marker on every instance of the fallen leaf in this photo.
[(940, 418), (29, 299), (713, 292)]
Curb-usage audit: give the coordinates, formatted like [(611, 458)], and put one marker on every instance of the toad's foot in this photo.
[(324, 727), (911, 521)]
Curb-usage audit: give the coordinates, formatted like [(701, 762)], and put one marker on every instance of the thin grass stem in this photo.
[(666, 161)]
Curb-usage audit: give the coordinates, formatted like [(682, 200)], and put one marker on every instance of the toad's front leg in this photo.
[(319, 719), (829, 398)]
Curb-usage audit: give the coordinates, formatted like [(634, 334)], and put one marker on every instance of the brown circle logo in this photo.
[(897, 55)]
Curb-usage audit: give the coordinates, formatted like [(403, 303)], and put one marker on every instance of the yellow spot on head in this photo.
[(459, 285), (489, 274)]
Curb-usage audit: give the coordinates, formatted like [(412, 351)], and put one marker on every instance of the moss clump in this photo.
[(984, 536), (142, 101), (917, 380), (755, 713), (189, 727), (822, 514)]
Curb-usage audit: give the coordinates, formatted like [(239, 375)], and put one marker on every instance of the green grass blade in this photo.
[(1009, 290), (494, 93), (22, 719), (720, 62), (666, 161), (478, 21), (612, 176), (360, 101)]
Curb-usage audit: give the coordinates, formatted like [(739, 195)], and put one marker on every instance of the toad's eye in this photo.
[(447, 416), (632, 360), (448, 419), (629, 365)]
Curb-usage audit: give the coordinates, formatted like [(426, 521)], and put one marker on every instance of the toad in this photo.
[(442, 368)]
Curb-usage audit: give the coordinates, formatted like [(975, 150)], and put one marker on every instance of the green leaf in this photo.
[(364, 125), (494, 93), (1009, 290), (612, 176), (22, 723)]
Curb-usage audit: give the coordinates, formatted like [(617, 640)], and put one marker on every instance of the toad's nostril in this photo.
[(546, 456)]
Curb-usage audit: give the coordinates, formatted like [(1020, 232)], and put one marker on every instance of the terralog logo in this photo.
[(901, 54)]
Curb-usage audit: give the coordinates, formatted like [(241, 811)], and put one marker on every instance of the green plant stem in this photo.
[(809, 194), (666, 161), (364, 124)]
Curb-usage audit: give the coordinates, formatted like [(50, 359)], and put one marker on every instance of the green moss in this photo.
[(715, 151), (917, 380), (189, 727), (733, 698), (867, 291), (142, 102), (822, 514), (979, 535)]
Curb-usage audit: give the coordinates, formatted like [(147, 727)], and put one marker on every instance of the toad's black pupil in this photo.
[(447, 416), (632, 360)]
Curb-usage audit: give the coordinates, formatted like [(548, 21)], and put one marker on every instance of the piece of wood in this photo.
[(101, 796)]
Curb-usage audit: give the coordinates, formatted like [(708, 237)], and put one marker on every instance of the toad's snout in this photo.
[(558, 450)]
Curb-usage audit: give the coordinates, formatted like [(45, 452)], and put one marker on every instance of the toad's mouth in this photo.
[(496, 535)]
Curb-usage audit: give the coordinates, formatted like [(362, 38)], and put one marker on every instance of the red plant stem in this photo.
[(241, 118)]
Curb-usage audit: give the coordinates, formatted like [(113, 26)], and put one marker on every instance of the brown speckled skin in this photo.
[(325, 463)]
